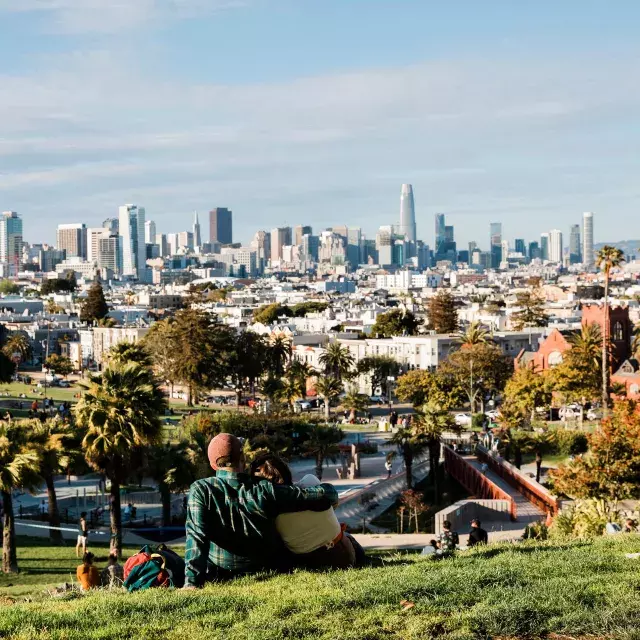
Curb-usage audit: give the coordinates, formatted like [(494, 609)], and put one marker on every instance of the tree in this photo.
[(247, 362), (329, 389), (322, 442), (121, 412), (354, 402), (108, 322), (442, 313), (379, 369), (635, 344), (18, 345), (395, 323), (607, 258), (126, 351), (173, 467), (95, 306), (8, 288), (18, 470), (301, 309), (337, 360), (413, 501), (278, 354), (420, 386), (474, 334), (611, 468), (269, 313), (58, 365), (530, 311), (524, 392), (54, 441), (58, 285), (7, 369)]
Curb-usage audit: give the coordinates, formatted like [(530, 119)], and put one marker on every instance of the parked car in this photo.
[(64, 384), (462, 419), (377, 400), (303, 405), (492, 414)]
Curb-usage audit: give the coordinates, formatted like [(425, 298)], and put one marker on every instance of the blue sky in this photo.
[(309, 111)]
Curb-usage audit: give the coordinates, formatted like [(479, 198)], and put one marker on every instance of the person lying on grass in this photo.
[(315, 537), (231, 517)]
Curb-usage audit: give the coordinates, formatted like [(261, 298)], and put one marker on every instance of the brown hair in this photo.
[(273, 468)]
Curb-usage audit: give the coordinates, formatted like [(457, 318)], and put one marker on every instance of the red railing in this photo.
[(475, 482), (531, 490)]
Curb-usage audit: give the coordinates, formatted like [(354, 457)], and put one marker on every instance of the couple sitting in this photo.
[(240, 522)]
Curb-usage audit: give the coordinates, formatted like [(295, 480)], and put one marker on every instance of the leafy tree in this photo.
[(337, 360), (303, 308), (126, 351), (411, 444), (7, 368), (54, 441), (273, 388), (414, 501), (95, 306), (395, 323), (247, 362), (108, 322), (607, 258), (421, 386), (269, 313), (530, 311), (58, 285), (611, 468), (58, 365), (173, 467), (379, 368), (524, 392), (278, 354), (18, 470), (329, 389), (18, 343), (121, 414), (442, 313), (354, 402), (7, 287), (322, 443), (474, 334)]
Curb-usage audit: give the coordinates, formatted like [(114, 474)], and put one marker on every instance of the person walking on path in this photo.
[(83, 534)]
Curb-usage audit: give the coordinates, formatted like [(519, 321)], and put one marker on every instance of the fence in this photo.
[(475, 482), (530, 489)]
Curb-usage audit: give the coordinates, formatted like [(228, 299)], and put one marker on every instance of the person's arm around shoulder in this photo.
[(278, 499), (197, 544)]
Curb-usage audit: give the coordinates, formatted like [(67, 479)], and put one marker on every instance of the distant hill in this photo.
[(630, 247)]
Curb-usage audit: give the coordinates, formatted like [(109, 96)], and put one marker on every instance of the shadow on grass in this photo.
[(492, 552)]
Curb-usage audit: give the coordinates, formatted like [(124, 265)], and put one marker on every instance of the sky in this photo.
[(316, 112)]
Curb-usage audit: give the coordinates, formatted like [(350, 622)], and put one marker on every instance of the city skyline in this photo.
[(519, 122)]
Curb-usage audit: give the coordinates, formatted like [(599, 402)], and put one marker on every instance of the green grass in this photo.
[(576, 590), (16, 388)]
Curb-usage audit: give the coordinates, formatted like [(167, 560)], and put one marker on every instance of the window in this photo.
[(618, 332), (417, 350)]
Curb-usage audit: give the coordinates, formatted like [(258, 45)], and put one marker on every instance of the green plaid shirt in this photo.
[(231, 521)]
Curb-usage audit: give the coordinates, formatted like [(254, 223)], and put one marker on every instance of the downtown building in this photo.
[(11, 242), (221, 226), (133, 253)]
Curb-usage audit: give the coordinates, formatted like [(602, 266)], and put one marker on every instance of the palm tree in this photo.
[(126, 351), (607, 258), (54, 442), (587, 344), (328, 389), (121, 412), (18, 469), (474, 334), (322, 443), (173, 467), (337, 360), (635, 344), (19, 344), (411, 445), (278, 354), (354, 402)]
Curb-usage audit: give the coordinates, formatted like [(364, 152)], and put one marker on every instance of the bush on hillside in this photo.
[(584, 519)]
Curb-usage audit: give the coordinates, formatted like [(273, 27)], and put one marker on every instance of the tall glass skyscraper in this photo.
[(495, 236), (544, 246), (133, 251), (588, 257), (11, 241), (575, 249), (407, 214), (555, 246)]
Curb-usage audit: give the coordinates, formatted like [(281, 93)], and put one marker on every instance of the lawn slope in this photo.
[(577, 590)]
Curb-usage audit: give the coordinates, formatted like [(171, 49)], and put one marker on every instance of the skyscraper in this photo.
[(440, 237), (150, 232), (112, 224), (534, 250), (72, 238), (197, 235), (280, 237), (407, 214), (495, 237), (11, 241), (555, 246), (221, 226), (575, 249), (520, 246), (94, 235), (544, 246), (133, 253), (588, 257), (299, 231), (384, 245)]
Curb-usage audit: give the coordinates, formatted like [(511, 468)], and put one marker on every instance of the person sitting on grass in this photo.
[(315, 537), (231, 517), (447, 541), (477, 535), (87, 574), (112, 575)]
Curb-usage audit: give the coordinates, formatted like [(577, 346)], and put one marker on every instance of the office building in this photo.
[(544, 246), (261, 243), (133, 252), (534, 250), (384, 245), (440, 224), (113, 224), (94, 235), (473, 245), (221, 226), (150, 232), (72, 239), (172, 244), (163, 245), (575, 248), (49, 258), (555, 246), (407, 214), (108, 256), (185, 240), (495, 237), (310, 247), (354, 247), (299, 231), (520, 247), (445, 249), (197, 235), (280, 237), (333, 248), (11, 241), (588, 257)]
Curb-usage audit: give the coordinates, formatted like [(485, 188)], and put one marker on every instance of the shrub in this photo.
[(570, 443), (536, 531), (585, 519), (477, 421)]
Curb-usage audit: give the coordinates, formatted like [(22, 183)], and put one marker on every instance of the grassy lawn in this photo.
[(533, 590), (16, 388)]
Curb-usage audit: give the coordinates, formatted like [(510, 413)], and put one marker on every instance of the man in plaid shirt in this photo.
[(231, 517)]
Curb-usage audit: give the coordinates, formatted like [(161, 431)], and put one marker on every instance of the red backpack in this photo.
[(146, 570)]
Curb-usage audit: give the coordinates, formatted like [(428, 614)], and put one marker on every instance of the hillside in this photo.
[(580, 589)]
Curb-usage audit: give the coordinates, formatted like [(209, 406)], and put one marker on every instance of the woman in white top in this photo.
[(315, 537)]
